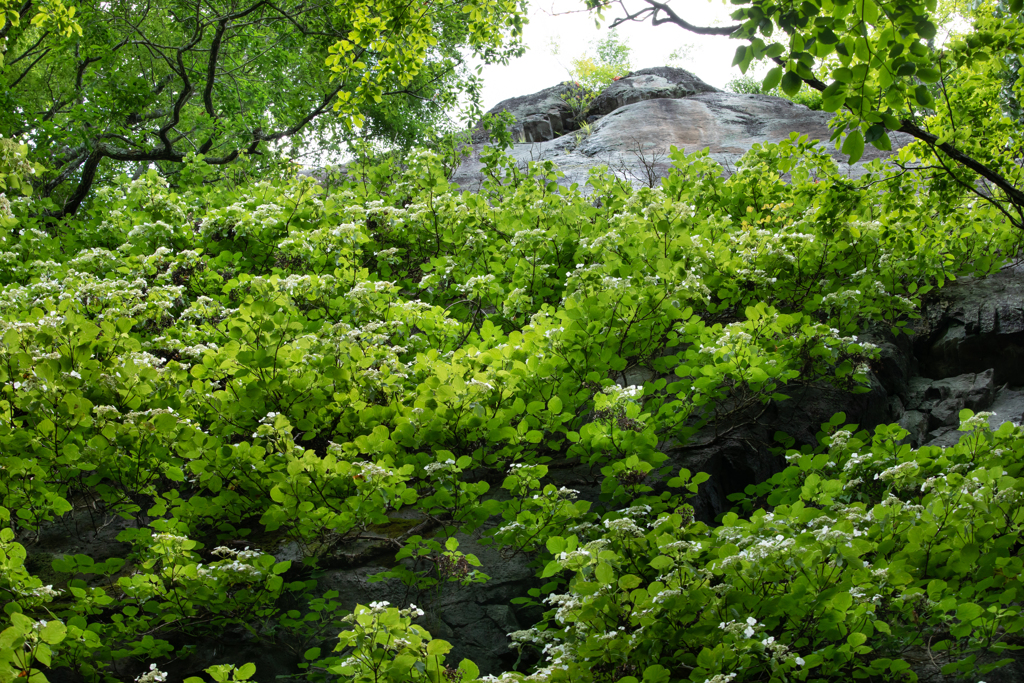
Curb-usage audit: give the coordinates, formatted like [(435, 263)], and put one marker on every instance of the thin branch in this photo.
[(909, 127), (671, 18), (28, 51), (29, 68)]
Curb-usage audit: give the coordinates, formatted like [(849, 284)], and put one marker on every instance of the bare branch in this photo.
[(652, 12)]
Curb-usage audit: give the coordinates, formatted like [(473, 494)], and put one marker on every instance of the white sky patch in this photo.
[(561, 22)]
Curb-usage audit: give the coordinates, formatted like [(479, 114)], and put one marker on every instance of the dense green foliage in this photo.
[(298, 360), (882, 66), (130, 86), (228, 363), (750, 85)]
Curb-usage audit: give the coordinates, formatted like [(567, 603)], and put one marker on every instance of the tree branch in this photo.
[(671, 18), (909, 127), (29, 68), (211, 67)]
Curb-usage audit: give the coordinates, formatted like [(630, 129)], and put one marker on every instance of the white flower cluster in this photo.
[(154, 675), (234, 570), (567, 603), (839, 440), (445, 466), (761, 550), (412, 611), (224, 551), (372, 471), (745, 628), (841, 299), (898, 474), (173, 540), (106, 412), (721, 678), (977, 421), (41, 592), (575, 559), (623, 527)]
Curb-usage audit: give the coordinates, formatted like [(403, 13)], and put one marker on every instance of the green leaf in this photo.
[(968, 611), (402, 664), (661, 562), (741, 54), (246, 671), (833, 103), (438, 647), (771, 79), (470, 671), (656, 673), (923, 96), (853, 146), (628, 582), (550, 569), (791, 83), (53, 632)]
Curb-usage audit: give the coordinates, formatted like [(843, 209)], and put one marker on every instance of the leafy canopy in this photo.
[(137, 86), (878, 64)]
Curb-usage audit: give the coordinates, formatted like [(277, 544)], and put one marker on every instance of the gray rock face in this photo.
[(659, 82), (545, 115), (744, 456), (933, 406), (971, 325), (634, 138), (1007, 406), (541, 116), (915, 422)]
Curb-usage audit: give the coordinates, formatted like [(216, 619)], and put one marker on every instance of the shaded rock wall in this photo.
[(974, 324)]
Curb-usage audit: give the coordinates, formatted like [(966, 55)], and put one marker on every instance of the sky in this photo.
[(561, 22)]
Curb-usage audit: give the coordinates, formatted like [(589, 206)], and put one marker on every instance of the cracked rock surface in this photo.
[(636, 120)]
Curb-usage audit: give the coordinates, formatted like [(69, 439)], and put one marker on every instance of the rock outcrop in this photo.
[(636, 120), (974, 324), (967, 352), (660, 82), (541, 116), (546, 115)]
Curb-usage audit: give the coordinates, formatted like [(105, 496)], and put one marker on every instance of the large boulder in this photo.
[(475, 618), (660, 82), (972, 325), (544, 115), (645, 114)]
